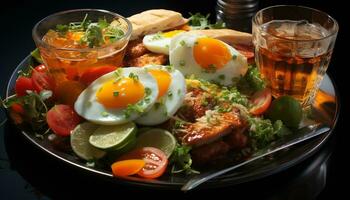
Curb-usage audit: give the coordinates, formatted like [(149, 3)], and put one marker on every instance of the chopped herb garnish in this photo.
[(148, 91), (178, 91), (62, 28), (221, 77), (157, 105), (114, 33), (182, 63), (211, 69), (170, 95), (204, 102), (181, 160), (94, 34), (131, 108), (251, 81), (182, 43), (234, 57), (102, 23), (134, 76), (115, 93), (157, 36), (104, 114), (169, 68)]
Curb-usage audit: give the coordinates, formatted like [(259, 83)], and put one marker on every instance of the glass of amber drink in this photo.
[(72, 42), (293, 47)]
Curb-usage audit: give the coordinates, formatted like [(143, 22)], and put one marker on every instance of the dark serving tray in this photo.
[(325, 110)]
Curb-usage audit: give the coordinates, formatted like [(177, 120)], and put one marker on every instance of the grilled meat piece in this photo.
[(210, 127), (147, 59), (237, 139), (214, 151), (209, 152), (195, 104), (135, 49)]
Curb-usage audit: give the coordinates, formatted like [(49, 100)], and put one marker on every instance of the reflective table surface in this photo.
[(26, 172)]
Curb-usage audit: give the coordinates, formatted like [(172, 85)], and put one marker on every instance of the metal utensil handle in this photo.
[(197, 180)]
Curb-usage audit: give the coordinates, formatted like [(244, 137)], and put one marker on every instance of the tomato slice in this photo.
[(41, 68), (156, 161), (62, 119), (93, 73), (127, 167), (22, 85), (42, 81), (261, 101)]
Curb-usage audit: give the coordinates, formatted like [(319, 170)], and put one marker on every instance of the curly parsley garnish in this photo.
[(199, 22), (95, 34)]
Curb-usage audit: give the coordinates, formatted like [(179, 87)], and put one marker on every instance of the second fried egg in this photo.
[(206, 58)]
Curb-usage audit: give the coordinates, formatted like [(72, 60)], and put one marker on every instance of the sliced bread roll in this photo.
[(229, 36), (153, 21)]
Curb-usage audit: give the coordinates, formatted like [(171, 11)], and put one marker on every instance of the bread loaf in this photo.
[(153, 21), (229, 36)]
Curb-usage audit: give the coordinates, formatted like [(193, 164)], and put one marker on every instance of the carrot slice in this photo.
[(127, 167)]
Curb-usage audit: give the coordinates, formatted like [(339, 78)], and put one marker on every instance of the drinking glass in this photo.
[(67, 64), (293, 48)]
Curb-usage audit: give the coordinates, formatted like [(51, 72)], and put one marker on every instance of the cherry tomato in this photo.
[(62, 119), (18, 108), (156, 161), (93, 73), (42, 81), (22, 85), (68, 91), (261, 101), (41, 68)]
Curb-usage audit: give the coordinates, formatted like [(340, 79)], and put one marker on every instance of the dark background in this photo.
[(44, 174)]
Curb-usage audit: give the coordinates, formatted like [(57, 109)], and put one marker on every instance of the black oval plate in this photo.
[(326, 109)]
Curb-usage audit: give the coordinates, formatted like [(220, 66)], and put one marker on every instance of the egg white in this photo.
[(89, 108), (156, 43), (170, 102), (182, 58)]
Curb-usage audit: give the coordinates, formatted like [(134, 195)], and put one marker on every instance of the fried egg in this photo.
[(206, 58), (118, 97), (160, 42), (172, 90)]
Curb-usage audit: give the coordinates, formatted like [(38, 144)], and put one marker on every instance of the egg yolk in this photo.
[(163, 79), (171, 34), (119, 94), (211, 53)]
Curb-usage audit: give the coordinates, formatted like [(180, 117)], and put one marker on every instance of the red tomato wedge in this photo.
[(22, 85), (261, 101), (156, 161), (62, 119), (93, 73), (42, 81)]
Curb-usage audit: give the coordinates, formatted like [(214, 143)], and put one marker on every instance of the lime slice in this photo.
[(113, 137), (287, 109), (112, 156), (158, 138), (79, 140)]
